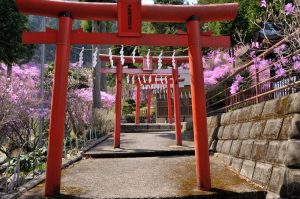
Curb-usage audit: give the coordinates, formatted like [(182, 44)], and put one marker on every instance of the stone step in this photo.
[(128, 127)]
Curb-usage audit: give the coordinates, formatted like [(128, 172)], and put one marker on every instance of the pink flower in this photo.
[(255, 45), (234, 88), (263, 3), (253, 54), (235, 85), (284, 60), (297, 66), (279, 49), (289, 8), (279, 71)]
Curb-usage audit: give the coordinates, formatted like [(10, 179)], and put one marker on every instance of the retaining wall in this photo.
[(262, 143)]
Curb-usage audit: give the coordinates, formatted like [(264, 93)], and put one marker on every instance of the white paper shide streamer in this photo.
[(173, 60), (110, 58), (80, 62), (128, 79), (95, 57), (159, 62), (122, 55), (148, 59), (133, 54)]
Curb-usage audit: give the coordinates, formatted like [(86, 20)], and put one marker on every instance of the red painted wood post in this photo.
[(149, 106), (137, 103), (177, 107), (169, 98), (58, 105), (198, 104), (118, 105)]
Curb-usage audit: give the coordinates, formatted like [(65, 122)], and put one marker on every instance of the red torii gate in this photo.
[(140, 72), (148, 68), (168, 82), (130, 14)]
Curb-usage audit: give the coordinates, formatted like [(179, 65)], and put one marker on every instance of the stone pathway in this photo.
[(146, 177), (144, 145)]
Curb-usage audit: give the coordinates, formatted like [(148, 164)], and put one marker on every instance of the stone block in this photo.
[(235, 116), (236, 131), (272, 128), (283, 135), (294, 128), (259, 150), (247, 169), (172, 126), (282, 105), (226, 146), (235, 147), (220, 132), (270, 109), (292, 184), (262, 173), (219, 145), (271, 195), (293, 104), (214, 133), (246, 149), (257, 129), (213, 145), (225, 118), (245, 130), (244, 114), (292, 158), (277, 179), (276, 152), (236, 164), (209, 131), (164, 126), (186, 126), (256, 111), (215, 121), (225, 158), (227, 132), (208, 120), (151, 126)]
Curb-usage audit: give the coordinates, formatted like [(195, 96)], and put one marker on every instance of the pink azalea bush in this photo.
[(20, 107)]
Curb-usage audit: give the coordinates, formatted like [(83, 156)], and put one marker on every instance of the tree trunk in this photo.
[(99, 80), (9, 71), (96, 71)]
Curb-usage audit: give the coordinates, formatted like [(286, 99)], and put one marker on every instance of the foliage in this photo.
[(21, 104), (80, 98), (11, 25), (242, 28), (103, 120), (28, 161), (163, 28), (128, 106)]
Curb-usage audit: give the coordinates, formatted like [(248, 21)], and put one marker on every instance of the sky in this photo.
[(151, 1)]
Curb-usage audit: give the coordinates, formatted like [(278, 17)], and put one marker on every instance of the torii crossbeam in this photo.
[(130, 14)]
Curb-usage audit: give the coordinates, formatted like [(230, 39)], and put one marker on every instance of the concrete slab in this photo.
[(151, 177), (144, 144)]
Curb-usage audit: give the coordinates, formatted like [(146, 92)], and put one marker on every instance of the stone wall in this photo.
[(262, 143)]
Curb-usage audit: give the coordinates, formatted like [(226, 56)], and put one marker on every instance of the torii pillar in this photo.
[(118, 105), (137, 103), (177, 106), (169, 98), (198, 104), (149, 106)]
